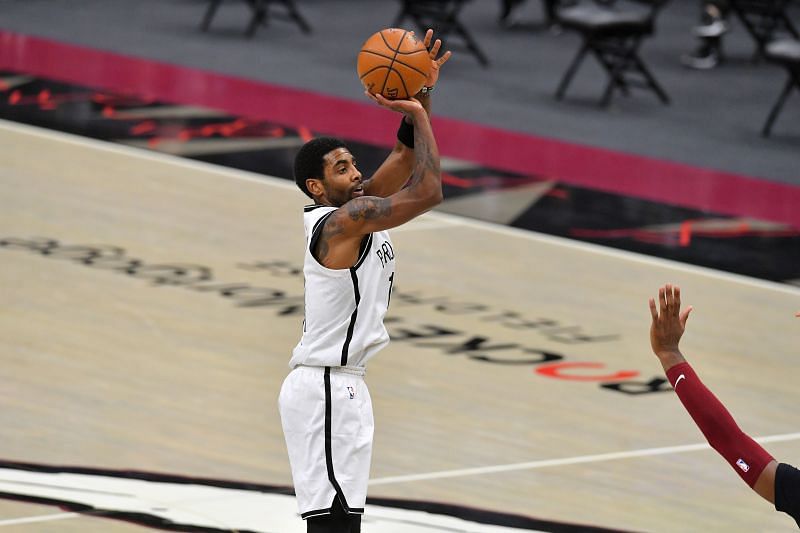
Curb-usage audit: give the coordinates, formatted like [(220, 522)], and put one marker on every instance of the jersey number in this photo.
[(391, 282)]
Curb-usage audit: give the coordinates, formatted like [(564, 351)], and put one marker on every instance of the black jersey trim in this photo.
[(319, 223), (309, 208), (353, 317), (329, 442), (366, 243), (316, 233)]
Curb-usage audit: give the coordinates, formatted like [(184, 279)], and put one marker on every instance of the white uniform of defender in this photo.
[(325, 407)]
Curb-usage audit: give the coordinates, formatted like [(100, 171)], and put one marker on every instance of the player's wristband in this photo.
[(405, 133)]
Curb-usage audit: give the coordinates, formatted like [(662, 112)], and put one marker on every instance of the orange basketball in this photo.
[(394, 63)]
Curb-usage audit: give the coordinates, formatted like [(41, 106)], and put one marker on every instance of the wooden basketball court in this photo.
[(151, 305)]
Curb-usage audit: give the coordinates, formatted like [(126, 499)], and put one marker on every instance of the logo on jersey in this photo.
[(352, 392), (741, 464), (385, 253)]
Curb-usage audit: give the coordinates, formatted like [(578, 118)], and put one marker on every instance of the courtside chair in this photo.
[(784, 52), (260, 14), (507, 8), (443, 17), (613, 32), (765, 21)]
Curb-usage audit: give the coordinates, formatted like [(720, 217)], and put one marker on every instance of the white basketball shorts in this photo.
[(326, 413)]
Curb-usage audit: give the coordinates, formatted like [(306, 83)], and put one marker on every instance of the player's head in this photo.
[(324, 169)]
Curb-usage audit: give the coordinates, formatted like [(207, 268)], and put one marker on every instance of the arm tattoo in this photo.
[(368, 208), (330, 228), (425, 160)]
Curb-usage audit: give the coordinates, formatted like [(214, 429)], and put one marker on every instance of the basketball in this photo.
[(393, 63)]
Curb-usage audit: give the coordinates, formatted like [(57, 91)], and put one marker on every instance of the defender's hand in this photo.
[(669, 322)]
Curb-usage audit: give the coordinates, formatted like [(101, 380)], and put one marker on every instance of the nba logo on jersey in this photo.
[(352, 392), (741, 464)]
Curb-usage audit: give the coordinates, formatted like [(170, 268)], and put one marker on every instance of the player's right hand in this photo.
[(408, 106)]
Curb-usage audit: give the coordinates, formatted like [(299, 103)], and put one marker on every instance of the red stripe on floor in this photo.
[(653, 179)]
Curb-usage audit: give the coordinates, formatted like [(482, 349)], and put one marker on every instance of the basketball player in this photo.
[(349, 269), (778, 483)]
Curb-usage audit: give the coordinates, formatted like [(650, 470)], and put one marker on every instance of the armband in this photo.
[(405, 133)]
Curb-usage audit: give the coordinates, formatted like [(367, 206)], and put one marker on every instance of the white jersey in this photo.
[(344, 308)]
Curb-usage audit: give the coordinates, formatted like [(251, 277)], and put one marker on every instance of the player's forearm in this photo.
[(393, 172), (426, 180)]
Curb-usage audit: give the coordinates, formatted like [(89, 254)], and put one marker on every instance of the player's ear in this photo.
[(315, 187)]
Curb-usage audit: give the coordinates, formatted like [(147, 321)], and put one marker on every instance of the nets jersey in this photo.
[(344, 308)]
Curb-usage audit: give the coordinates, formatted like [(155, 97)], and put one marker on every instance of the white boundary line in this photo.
[(596, 458), (33, 519), (453, 220), (151, 155)]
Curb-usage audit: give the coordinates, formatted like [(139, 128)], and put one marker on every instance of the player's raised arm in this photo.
[(327, 172), (395, 171), (746, 457), (367, 214)]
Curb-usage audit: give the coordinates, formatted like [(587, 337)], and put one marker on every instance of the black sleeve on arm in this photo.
[(787, 491), (405, 133)]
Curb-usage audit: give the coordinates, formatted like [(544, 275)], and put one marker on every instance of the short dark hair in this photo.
[(308, 162)]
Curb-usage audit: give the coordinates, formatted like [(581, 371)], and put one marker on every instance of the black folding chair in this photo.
[(260, 14), (785, 52), (442, 17), (613, 34), (507, 8), (764, 20)]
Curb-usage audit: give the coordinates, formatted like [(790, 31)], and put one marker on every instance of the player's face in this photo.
[(342, 179)]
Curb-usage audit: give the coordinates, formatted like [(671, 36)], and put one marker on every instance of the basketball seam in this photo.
[(373, 69), (411, 67), (424, 50), (389, 67), (376, 54), (397, 51), (403, 81), (386, 79), (389, 46)]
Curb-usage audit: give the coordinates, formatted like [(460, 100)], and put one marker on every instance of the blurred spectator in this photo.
[(713, 25)]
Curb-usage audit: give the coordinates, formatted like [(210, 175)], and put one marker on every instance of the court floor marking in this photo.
[(454, 220), (595, 458), (40, 518)]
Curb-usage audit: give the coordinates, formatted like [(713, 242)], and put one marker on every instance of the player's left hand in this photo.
[(436, 62)]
